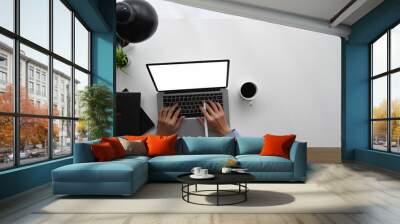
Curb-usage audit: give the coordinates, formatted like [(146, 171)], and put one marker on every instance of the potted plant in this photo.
[(121, 59), (96, 102)]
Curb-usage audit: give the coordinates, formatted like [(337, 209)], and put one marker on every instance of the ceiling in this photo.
[(319, 9), (333, 17)]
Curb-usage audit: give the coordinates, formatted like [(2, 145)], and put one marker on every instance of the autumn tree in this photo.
[(81, 130), (380, 127), (6, 122), (33, 131)]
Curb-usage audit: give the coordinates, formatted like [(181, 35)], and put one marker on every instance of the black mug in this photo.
[(248, 91)]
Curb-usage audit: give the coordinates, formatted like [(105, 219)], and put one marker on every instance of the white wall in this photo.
[(297, 71)]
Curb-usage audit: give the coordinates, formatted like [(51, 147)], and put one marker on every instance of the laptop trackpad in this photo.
[(191, 127)]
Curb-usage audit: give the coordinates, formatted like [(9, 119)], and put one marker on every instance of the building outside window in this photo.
[(59, 127), (44, 77), (30, 72), (30, 87), (38, 90), (385, 91), (55, 96), (37, 75), (43, 90), (3, 78), (3, 72), (3, 61)]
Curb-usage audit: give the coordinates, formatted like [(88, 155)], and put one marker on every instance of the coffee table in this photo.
[(238, 179)]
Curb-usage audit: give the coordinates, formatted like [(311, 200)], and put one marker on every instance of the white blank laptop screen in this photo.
[(196, 75)]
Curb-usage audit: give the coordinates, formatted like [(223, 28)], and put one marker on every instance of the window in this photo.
[(3, 61), (3, 71), (62, 74), (7, 14), (62, 29), (34, 146), (30, 87), (6, 142), (44, 91), (81, 45), (62, 140), (37, 89), (81, 81), (35, 21), (3, 78), (38, 74), (47, 74), (30, 72), (385, 91), (6, 73), (395, 47)]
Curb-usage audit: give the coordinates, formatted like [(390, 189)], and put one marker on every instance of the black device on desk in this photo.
[(131, 119)]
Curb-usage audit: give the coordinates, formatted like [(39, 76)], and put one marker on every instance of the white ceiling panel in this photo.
[(314, 15), (320, 9)]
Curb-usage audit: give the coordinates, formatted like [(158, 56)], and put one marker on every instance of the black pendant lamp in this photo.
[(136, 21)]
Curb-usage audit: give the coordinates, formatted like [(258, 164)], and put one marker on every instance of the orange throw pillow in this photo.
[(277, 145), (161, 145), (116, 145), (103, 152), (135, 137)]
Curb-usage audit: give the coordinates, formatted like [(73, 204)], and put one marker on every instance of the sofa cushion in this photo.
[(134, 147), (277, 145), (103, 152), (257, 163), (161, 145), (185, 163), (112, 171), (83, 152), (116, 145), (135, 137), (133, 158), (207, 145), (249, 145)]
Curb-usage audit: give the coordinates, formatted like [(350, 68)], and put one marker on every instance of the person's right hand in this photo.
[(215, 116)]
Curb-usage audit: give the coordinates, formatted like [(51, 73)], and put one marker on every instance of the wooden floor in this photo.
[(353, 182)]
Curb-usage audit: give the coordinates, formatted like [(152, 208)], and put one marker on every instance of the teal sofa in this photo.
[(125, 176)]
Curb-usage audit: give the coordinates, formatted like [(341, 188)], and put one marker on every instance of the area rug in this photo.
[(166, 198)]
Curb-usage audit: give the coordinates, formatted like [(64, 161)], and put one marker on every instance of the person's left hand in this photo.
[(169, 120)]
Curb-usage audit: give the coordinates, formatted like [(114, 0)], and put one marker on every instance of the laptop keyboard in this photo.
[(190, 103)]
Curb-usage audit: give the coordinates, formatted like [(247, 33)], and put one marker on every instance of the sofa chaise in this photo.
[(125, 176)]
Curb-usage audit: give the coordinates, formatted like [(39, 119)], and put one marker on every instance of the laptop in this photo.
[(190, 84)]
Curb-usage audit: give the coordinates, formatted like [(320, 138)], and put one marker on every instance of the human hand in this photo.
[(215, 115), (169, 120)]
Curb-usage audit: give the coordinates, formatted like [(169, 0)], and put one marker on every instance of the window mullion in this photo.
[(50, 81), (371, 141), (389, 88), (73, 82), (16, 84)]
